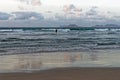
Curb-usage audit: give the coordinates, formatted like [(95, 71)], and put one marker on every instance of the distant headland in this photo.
[(70, 26)]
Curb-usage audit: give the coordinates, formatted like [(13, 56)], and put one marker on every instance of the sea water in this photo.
[(20, 41), (35, 49)]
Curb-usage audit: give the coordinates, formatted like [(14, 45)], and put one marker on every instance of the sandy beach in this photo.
[(66, 74)]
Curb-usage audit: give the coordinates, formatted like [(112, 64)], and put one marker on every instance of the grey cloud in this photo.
[(68, 8), (36, 2), (92, 11), (4, 16), (72, 11), (22, 8), (92, 15), (48, 11), (32, 2), (75, 11), (55, 23), (71, 8), (21, 16), (26, 16), (26, 1)]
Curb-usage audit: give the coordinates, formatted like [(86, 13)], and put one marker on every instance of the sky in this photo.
[(37, 13)]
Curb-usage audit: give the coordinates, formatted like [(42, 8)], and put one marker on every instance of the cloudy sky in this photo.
[(58, 12)]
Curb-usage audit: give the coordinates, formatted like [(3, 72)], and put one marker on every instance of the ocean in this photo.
[(36, 40), (29, 49)]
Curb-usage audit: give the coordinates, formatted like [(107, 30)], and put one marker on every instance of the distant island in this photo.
[(107, 25), (77, 26), (69, 26)]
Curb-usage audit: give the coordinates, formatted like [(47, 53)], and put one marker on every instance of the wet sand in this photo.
[(66, 74)]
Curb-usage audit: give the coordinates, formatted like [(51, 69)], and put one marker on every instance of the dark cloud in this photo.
[(4, 16), (26, 16)]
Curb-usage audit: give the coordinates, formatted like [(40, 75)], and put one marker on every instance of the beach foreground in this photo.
[(66, 74)]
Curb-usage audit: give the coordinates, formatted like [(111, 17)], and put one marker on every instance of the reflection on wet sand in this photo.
[(93, 57), (38, 61), (72, 57)]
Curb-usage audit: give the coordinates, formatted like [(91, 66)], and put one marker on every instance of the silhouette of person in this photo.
[(56, 30)]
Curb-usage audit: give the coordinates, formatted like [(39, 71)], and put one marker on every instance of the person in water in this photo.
[(56, 30)]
